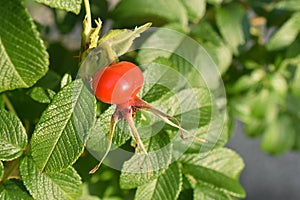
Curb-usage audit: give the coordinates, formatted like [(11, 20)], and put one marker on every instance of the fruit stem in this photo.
[(113, 122), (141, 104), (138, 141)]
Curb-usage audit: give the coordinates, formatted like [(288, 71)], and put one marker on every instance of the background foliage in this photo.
[(254, 43)]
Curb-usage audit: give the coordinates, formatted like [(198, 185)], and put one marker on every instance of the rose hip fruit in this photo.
[(119, 83)]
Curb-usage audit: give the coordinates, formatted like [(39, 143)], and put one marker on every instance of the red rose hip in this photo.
[(118, 83)]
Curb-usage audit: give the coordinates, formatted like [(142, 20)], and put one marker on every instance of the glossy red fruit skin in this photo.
[(118, 83)]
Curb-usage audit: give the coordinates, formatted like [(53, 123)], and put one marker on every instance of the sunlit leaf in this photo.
[(166, 187), (13, 136), (65, 80), (68, 5), (286, 34), (23, 56), (203, 191), (215, 170), (60, 185), (57, 140), (231, 21), (195, 9), (287, 5), (134, 171)]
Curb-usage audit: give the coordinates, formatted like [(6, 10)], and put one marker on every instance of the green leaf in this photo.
[(23, 56), (13, 138), (213, 44), (287, 5), (42, 95), (134, 171), (279, 84), (162, 43), (67, 5), (295, 84), (50, 80), (120, 40), (248, 81), (279, 136), (65, 80), (61, 185), (166, 187), (195, 9), (157, 79), (220, 160), (215, 170), (231, 21), (1, 170), (286, 34), (57, 141), (131, 12), (203, 191), (13, 190)]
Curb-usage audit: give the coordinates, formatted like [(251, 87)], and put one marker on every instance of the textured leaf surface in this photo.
[(67, 5), (134, 171), (57, 140), (222, 160), (13, 137), (232, 25), (206, 170), (60, 185), (23, 56), (13, 190), (286, 34), (203, 191), (166, 187)]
